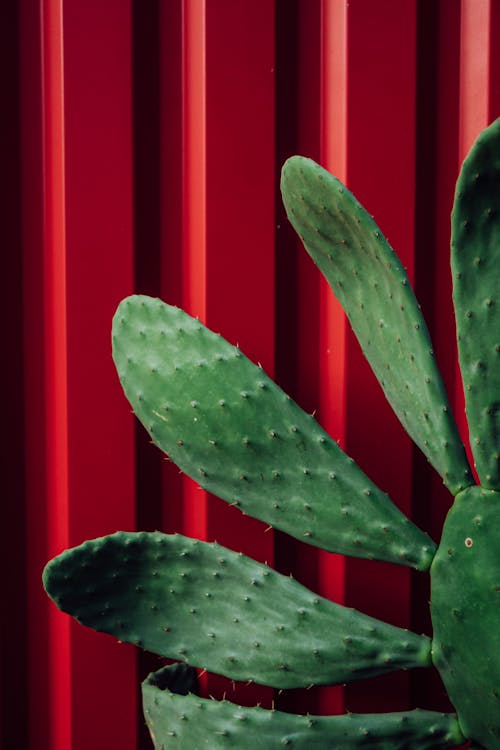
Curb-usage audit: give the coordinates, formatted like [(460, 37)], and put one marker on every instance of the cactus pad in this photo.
[(371, 284), (178, 719), (476, 285), (189, 600), (465, 607), (225, 423)]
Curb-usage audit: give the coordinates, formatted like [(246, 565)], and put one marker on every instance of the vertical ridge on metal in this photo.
[(369, 86), (172, 220), (298, 316), (35, 465), (438, 60), (77, 245), (13, 661), (56, 343), (332, 363), (194, 187)]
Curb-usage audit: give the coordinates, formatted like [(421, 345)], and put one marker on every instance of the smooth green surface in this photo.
[(476, 284), (226, 424), (216, 609), (466, 613), (371, 284), (187, 722)]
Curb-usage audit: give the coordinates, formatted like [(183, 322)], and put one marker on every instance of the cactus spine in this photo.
[(228, 425)]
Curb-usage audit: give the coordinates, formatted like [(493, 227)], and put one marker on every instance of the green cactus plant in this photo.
[(228, 426)]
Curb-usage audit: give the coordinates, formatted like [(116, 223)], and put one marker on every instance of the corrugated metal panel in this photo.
[(150, 141)]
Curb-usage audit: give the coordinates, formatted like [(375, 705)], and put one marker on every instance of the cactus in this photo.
[(226, 424)]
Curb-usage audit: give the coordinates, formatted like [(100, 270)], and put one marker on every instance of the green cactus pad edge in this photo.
[(199, 602)]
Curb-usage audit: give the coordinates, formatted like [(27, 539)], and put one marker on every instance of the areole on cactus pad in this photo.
[(226, 424)]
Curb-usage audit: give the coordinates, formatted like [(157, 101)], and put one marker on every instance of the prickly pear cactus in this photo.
[(229, 426)]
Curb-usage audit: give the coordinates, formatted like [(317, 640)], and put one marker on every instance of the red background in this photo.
[(141, 148)]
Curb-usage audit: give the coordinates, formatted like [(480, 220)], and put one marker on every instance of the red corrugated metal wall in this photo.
[(142, 142)]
